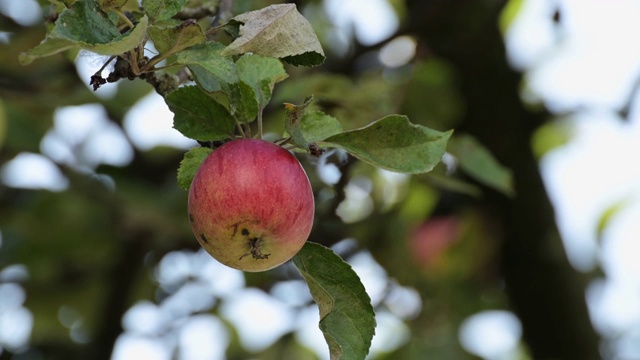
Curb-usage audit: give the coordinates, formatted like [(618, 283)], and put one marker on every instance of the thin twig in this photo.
[(224, 11)]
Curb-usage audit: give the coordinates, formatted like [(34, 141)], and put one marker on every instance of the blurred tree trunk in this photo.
[(547, 294)]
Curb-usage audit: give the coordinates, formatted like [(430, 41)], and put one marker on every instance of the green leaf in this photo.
[(112, 4), (198, 116), (292, 123), (211, 70), (190, 164), (244, 104), (394, 143), (86, 26), (278, 31), (347, 319), (85, 22), (317, 126), (170, 40), (478, 162), (159, 10), (261, 73), (217, 73)]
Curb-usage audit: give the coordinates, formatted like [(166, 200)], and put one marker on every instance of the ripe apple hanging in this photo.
[(251, 205)]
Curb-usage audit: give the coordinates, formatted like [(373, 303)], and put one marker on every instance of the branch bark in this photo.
[(547, 294)]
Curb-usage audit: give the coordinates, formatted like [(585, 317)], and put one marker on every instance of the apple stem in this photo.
[(260, 123), (239, 126)]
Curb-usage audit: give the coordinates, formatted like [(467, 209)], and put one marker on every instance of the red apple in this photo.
[(251, 205), (430, 241)]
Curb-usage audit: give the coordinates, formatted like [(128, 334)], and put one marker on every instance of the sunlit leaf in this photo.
[(86, 26), (261, 73), (211, 70), (292, 122), (243, 102), (198, 116), (317, 126), (112, 4), (278, 31), (217, 73), (347, 319), (170, 40), (158, 10), (394, 143), (190, 164)]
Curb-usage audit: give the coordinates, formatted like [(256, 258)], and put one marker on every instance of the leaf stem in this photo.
[(104, 66), (214, 30), (133, 62), (153, 61), (123, 17)]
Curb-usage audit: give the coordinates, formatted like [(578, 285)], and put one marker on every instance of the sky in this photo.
[(582, 69)]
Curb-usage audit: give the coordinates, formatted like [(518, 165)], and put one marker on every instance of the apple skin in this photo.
[(251, 205)]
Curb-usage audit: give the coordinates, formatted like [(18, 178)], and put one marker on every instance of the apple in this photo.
[(430, 241), (251, 205)]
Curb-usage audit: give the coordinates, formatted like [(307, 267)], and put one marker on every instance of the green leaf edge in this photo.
[(344, 267), (187, 169), (328, 143), (120, 45)]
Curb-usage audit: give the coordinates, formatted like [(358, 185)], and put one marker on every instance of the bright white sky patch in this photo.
[(391, 333), (292, 292), (372, 275), (150, 123), (15, 320), (144, 318), (491, 334), (375, 24), (129, 347), (84, 137), (584, 65), (24, 12), (591, 173), (260, 319), (203, 337), (613, 306), (398, 51), (87, 64), (33, 171), (15, 328)]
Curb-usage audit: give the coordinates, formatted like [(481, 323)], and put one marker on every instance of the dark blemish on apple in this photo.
[(204, 238), (190, 218), (254, 250), (235, 229), (245, 232)]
